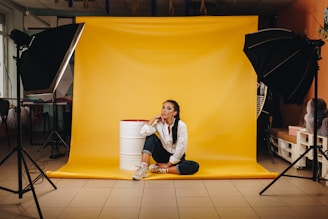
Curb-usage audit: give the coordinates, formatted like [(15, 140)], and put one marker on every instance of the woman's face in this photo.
[(168, 111)]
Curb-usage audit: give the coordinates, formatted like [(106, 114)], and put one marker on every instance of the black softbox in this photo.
[(283, 60), (43, 63)]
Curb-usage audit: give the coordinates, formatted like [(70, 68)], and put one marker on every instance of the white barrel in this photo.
[(131, 143)]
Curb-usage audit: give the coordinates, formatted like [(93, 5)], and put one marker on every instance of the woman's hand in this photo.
[(155, 120)]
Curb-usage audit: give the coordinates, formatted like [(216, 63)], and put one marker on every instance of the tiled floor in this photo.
[(168, 199)]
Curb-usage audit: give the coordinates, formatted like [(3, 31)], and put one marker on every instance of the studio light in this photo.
[(39, 67), (20, 38), (47, 57)]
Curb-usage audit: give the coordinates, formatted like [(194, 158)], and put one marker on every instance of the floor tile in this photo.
[(288, 197), (197, 213)]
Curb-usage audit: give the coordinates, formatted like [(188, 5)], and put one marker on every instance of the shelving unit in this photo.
[(305, 140), (286, 147)]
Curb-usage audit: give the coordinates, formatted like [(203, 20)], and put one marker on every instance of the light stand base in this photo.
[(57, 140), (30, 187), (315, 177)]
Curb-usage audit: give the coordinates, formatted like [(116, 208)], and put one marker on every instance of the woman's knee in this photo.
[(151, 139), (150, 144), (188, 167)]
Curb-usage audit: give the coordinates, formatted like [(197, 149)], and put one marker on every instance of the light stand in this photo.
[(21, 41), (317, 44), (54, 134)]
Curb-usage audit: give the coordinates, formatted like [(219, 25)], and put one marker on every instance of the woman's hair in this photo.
[(177, 118)]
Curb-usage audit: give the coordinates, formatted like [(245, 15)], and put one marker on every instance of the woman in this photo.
[(169, 149)]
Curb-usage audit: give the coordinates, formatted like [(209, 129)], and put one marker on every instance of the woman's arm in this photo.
[(154, 120), (181, 144), (149, 128)]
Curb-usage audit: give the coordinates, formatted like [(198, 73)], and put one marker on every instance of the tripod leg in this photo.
[(6, 158), (270, 146), (32, 188), (45, 143), (323, 153), (62, 140), (290, 166), (41, 171), (322, 177)]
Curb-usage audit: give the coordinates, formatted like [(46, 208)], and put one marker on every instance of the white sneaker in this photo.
[(154, 168), (141, 172)]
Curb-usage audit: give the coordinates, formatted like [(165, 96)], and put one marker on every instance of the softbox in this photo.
[(283, 60), (43, 63)]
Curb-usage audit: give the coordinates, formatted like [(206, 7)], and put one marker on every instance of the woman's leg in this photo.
[(173, 169), (187, 167), (153, 147), (145, 158), (149, 146)]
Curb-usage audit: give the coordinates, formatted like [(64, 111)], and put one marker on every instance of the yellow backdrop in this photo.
[(126, 67)]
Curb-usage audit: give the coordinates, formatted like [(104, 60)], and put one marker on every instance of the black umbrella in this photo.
[(286, 62)]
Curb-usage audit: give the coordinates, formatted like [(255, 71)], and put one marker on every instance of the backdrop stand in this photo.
[(316, 172), (20, 150)]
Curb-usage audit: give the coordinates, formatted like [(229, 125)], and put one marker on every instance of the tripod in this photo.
[(317, 44), (54, 134), (21, 152)]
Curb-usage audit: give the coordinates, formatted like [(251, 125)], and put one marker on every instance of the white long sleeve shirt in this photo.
[(179, 148)]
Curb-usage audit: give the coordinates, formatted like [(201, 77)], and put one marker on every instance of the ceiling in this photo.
[(72, 8)]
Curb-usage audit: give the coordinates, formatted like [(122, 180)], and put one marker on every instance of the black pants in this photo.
[(153, 147)]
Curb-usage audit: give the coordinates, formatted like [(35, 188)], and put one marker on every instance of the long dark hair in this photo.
[(177, 118)]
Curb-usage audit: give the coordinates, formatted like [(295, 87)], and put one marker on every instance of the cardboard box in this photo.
[(292, 130)]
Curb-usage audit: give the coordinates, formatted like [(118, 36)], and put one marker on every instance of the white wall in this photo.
[(13, 20)]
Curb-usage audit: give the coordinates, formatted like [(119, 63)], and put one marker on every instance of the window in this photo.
[(2, 55)]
